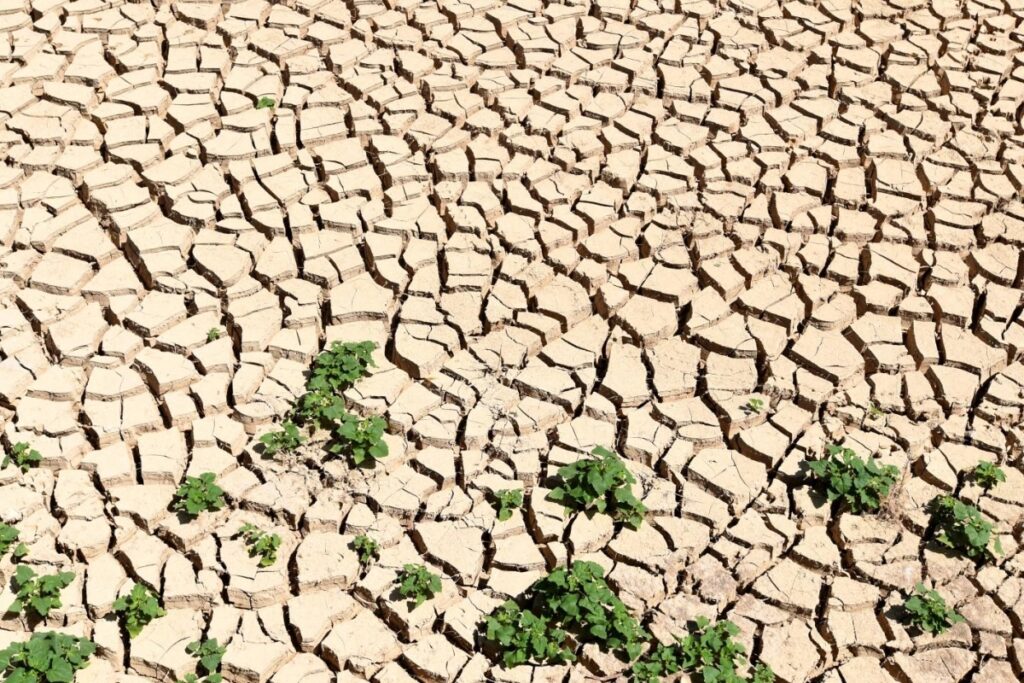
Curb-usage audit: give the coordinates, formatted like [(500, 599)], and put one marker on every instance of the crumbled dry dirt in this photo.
[(565, 225)]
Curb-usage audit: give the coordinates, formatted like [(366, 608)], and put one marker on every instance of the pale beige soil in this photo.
[(565, 225)]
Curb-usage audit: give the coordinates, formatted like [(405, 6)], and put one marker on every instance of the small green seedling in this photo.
[(960, 527), (339, 367), (714, 659), (575, 600), (265, 103), (360, 439), (47, 656), (661, 661), (367, 548), (334, 370), (417, 584), (286, 440), (710, 652), (213, 334), (927, 611), (988, 474), (755, 405), (261, 543), (23, 456), (8, 537), (317, 408), (209, 653), (524, 637), (38, 594), (874, 412), (506, 501), (139, 607), (858, 485), (601, 484), (199, 494)]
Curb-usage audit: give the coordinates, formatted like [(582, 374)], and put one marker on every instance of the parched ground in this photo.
[(565, 225)]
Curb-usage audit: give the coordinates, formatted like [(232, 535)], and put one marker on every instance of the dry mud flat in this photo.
[(564, 226)]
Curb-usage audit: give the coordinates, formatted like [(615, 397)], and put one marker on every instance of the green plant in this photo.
[(525, 637), (601, 484), (506, 501), (8, 537), (361, 439), (874, 411), (261, 543), (265, 103), (138, 608), (213, 334), (333, 371), (339, 367), (418, 584), (288, 439), (755, 405), (928, 611), (961, 527), (209, 653), (988, 474), (662, 660), (367, 548), (573, 601), (199, 494), (316, 408), (709, 653), (39, 594), (857, 484), (47, 657), (23, 456)]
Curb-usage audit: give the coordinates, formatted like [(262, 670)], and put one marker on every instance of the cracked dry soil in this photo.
[(565, 225)]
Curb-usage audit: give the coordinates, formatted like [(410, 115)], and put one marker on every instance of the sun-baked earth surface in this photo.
[(565, 225)]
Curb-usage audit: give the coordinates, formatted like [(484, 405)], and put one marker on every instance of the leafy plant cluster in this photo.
[(209, 653), (506, 501), (988, 474), (574, 601), (213, 334), (926, 610), (47, 657), (600, 484), (8, 537), (23, 456), (285, 440), (754, 406), (138, 608), (38, 594), (260, 543), (199, 494), (708, 653), (858, 485), (359, 438), (960, 527), (323, 405), (418, 584), (367, 548), (574, 606)]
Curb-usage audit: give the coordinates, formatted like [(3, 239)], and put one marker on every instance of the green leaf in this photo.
[(599, 485), (138, 608), (60, 671), (418, 584)]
